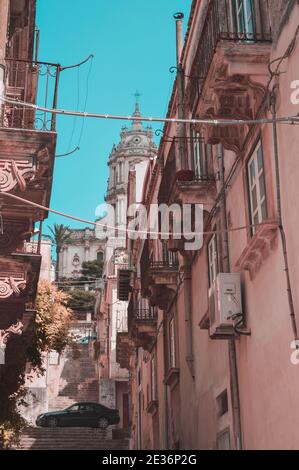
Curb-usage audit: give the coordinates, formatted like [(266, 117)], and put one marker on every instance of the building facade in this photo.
[(27, 153), (210, 340), (130, 157), (82, 246)]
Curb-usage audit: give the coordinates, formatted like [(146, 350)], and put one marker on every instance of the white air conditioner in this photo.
[(225, 302)]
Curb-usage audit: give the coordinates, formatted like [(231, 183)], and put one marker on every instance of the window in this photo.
[(223, 440), (74, 407), (120, 212), (222, 403), (86, 407), (257, 188), (169, 257), (153, 379), (113, 176), (213, 259), (242, 11), (196, 152), (200, 153), (172, 351), (121, 172), (100, 256), (53, 358)]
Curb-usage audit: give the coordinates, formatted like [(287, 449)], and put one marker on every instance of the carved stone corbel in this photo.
[(16, 329), (11, 285), (16, 174)]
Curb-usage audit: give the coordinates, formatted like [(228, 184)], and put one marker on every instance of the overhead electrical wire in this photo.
[(127, 230), (213, 122)]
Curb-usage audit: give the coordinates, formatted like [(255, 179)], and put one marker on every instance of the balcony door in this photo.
[(242, 11), (201, 153)]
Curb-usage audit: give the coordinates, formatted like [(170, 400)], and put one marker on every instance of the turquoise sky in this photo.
[(134, 46)]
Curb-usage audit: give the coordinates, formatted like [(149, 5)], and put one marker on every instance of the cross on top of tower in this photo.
[(137, 96)]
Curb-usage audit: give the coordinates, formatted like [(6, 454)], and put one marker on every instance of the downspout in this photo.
[(165, 351), (234, 385), (280, 223), (188, 314), (181, 162), (108, 342)]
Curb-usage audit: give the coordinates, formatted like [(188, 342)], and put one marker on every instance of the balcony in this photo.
[(142, 325), (230, 70), (124, 350), (28, 138), (145, 316), (26, 81), (163, 279), (187, 186)]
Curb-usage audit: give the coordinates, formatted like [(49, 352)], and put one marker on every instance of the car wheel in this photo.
[(52, 422), (103, 423)]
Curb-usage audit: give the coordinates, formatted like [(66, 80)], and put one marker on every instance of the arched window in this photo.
[(100, 256)]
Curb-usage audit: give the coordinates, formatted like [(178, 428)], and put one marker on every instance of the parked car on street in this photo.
[(80, 415)]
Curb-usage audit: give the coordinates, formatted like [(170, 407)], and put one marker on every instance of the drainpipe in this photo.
[(181, 130), (188, 314), (4, 15), (165, 354), (225, 266), (280, 223), (181, 163)]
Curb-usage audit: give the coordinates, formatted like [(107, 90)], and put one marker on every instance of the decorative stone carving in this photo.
[(234, 97), (162, 296), (258, 249), (16, 173), (11, 284), (76, 260), (13, 236), (43, 155), (16, 329)]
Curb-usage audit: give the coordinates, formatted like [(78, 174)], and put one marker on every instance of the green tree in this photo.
[(91, 270), (81, 300), (60, 236)]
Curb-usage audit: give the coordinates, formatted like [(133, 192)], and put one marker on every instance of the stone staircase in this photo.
[(80, 386), (70, 439)]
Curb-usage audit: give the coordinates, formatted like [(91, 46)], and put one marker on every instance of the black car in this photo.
[(80, 415)]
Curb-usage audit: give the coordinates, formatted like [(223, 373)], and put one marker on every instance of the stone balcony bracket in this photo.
[(258, 249)]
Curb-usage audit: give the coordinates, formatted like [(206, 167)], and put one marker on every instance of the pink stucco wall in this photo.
[(268, 381)]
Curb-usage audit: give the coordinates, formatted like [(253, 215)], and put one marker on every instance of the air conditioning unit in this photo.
[(225, 302)]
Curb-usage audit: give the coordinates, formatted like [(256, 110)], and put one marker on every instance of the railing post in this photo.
[(55, 99), (39, 237)]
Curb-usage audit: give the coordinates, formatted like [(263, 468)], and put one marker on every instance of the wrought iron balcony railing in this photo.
[(227, 20), (30, 248), (145, 314), (198, 157), (26, 81), (171, 262)]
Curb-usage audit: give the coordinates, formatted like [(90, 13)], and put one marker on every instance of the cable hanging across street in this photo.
[(212, 122), (127, 230)]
